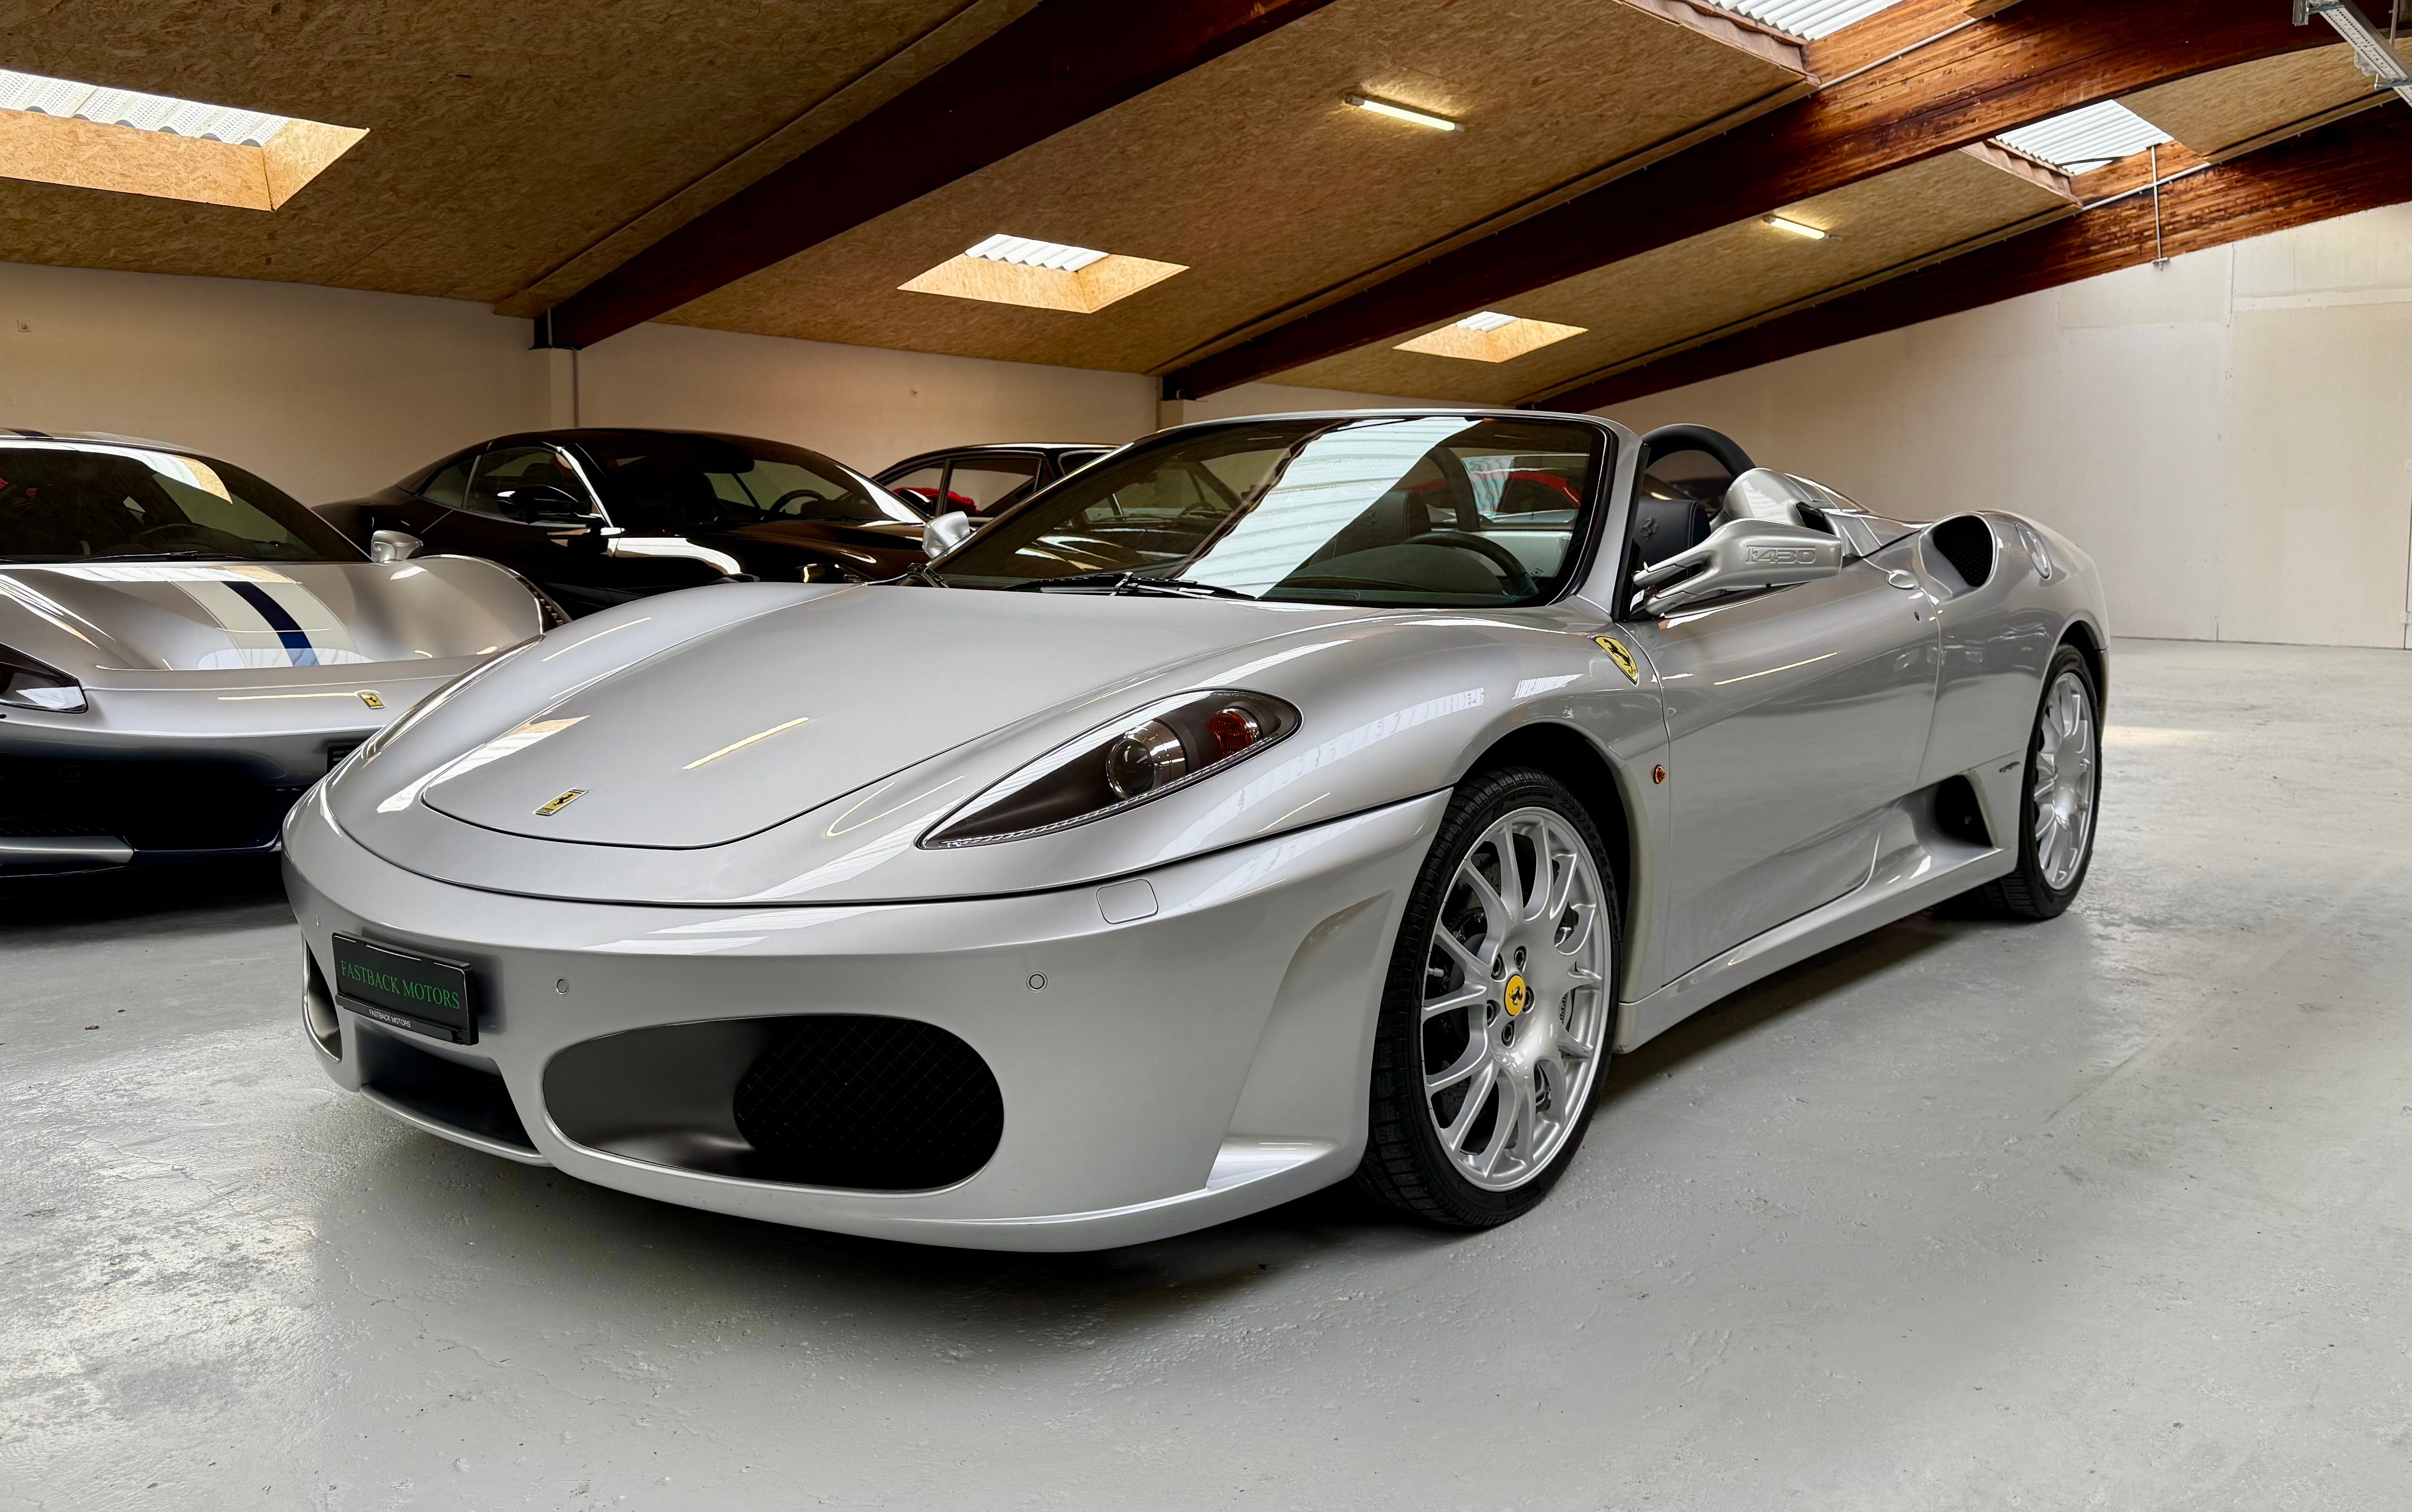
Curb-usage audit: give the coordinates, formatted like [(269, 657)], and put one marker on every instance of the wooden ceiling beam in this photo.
[(1053, 68), (1975, 80), (2360, 163)]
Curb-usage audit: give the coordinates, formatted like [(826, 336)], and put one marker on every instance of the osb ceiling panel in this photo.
[(504, 138), (1710, 281), (1251, 172), (2213, 111)]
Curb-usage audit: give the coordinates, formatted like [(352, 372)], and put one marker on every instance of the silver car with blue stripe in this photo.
[(185, 649)]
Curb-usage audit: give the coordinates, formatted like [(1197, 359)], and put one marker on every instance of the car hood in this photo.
[(112, 621), (726, 733)]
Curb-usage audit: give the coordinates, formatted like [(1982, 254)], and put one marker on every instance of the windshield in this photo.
[(658, 484), (84, 501), (1439, 510)]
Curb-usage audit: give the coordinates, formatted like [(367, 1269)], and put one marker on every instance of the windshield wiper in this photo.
[(188, 555), (1129, 580)]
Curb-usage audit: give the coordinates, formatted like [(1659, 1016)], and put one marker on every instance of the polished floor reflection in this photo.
[(2106, 1212)]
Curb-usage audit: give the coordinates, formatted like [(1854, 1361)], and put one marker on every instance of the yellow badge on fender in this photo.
[(560, 803), (1617, 653), (369, 697)]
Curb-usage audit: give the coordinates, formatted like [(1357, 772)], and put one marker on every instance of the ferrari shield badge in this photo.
[(549, 810), (368, 696), (1617, 653)]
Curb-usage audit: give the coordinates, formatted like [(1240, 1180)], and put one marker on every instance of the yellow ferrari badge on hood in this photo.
[(560, 803), (1617, 653)]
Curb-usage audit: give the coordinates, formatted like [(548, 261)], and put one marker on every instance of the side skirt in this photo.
[(1918, 865)]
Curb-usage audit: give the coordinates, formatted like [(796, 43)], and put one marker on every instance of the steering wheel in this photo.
[(1519, 582), (191, 534), (779, 504)]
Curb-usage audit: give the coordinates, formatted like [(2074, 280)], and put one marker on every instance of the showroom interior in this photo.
[(1960, 1200)]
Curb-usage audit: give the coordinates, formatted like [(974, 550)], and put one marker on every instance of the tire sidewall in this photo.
[(1399, 1046)]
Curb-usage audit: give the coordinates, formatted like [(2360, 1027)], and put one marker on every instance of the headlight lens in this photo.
[(31, 684), (1146, 755)]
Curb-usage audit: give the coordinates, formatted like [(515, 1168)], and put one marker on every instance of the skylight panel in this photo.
[(66, 98), (1807, 19), (90, 137), (1490, 337), (1023, 252), (1041, 276), (2081, 140)]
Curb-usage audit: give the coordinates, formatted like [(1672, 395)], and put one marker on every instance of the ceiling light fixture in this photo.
[(1490, 337), (1041, 276), (1402, 112), (1800, 229), (86, 136)]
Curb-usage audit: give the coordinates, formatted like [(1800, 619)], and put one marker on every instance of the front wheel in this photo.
[(1499, 1005), (2062, 787)]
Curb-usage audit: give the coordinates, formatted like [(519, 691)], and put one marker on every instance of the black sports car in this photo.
[(599, 517)]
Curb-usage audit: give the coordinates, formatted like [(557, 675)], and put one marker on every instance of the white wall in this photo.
[(330, 394), (2229, 436)]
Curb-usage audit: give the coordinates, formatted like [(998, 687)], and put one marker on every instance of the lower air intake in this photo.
[(885, 1104)]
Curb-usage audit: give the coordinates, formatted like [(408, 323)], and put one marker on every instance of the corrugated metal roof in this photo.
[(2085, 138), (1807, 19), (125, 107)]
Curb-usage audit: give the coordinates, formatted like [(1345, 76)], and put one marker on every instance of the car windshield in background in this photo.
[(657, 484), (1438, 510), (84, 501)]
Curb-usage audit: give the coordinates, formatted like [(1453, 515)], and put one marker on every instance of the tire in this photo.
[(2049, 876), (1487, 1146)]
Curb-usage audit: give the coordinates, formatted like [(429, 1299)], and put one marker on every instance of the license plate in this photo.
[(417, 992)]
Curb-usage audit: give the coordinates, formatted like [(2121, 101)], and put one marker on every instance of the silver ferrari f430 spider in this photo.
[(185, 650), (1273, 801)]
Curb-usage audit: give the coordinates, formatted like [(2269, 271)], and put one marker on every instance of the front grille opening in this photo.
[(150, 804), (838, 1100), (318, 1008), (471, 1098), (890, 1104)]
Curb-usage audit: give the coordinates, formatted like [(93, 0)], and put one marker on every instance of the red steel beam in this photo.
[(2357, 164), (2031, 61), (1055, 66)]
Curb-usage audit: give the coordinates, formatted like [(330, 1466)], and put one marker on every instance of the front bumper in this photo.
[(201, 768), (1159, 1074)]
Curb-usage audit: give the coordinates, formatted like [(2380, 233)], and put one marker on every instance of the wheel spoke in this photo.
[(1470, 1109), (1475, 1056), (1511, 876), (1463, 997), (1476, 968)]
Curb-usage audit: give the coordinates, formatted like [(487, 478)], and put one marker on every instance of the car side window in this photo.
[(924, 486), (986, 484), (448, 485), (508, 467)]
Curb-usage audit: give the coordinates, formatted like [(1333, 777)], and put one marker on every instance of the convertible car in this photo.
[(185, 650), (1278, 801)]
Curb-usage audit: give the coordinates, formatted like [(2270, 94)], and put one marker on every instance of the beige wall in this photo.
[(330, 394), (2229, 436)]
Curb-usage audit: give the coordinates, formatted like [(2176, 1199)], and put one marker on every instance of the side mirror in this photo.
[(1739, 556), (946, 531), (545, 504), (394, 545)]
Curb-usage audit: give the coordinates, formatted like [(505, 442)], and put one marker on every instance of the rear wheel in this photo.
[(2062, 790), (1498, 1009)]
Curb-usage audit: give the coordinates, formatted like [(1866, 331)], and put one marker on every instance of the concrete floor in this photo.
[(2109, 1212)]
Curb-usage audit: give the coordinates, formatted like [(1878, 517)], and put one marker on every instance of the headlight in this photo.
[(31, 684), (1146, 755)]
